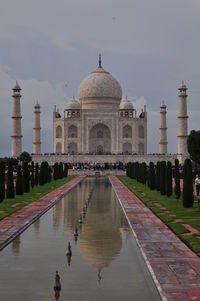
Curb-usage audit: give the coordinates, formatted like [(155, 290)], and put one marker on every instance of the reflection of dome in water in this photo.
[(99, 244), (100, 238)]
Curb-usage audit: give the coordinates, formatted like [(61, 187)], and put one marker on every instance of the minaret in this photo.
[(163, 129), (182, 121), (36, 130), (16, 122)]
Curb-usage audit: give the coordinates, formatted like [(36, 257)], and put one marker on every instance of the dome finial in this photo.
[(100, 60)]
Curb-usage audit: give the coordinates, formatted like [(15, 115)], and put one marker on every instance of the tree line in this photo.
[(28, 175), (160, 177)]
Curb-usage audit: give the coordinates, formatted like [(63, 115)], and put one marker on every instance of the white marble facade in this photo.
[(100, 122)]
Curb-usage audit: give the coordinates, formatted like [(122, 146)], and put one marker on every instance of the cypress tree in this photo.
[(2, 181), (32, 175), (162, 177), (188, 197), (144, 173), (127, 169), (148, 176), (168, 179), (151, 176), (60, 170), (158, 176), (26, 177), (140, 173), (137, 171), (55, 171), (49, 175), (177, 179), (132, 170), (46, 172), (42, 174), (19, 182), (65, 170), (10, 184), (36, 174)]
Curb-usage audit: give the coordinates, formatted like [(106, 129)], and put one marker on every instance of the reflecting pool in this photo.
[(106, 263)]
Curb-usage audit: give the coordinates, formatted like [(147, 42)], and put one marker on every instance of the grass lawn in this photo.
[(169, 210), (8, 206)]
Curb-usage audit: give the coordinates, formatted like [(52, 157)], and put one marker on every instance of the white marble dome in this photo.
[(100, 85), (73, 105), (126, 105)]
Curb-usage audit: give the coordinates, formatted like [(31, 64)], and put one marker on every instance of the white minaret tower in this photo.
[(16, 122), (163, 129), (182, 121), (36, 130)]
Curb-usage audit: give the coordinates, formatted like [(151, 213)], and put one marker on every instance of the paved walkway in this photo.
[(174, 267), (16, 223)]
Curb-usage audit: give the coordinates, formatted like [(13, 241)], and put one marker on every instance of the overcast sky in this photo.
[(149, 46)]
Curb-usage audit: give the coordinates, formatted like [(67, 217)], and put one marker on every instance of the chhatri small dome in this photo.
[(126, 105), (73, 105), (99, 85)]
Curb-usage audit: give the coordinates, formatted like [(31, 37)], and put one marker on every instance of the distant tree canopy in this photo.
[(6, 160), (25, 157), (193, 144)]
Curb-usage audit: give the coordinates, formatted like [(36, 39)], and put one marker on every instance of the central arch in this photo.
[(99, 139)]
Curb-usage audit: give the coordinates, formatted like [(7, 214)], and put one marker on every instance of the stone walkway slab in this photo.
[(173, 266), (16, 223)]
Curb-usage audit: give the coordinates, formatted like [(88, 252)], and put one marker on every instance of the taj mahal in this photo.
[(100, 125)]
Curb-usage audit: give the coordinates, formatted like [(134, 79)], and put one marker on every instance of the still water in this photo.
[(106, 263)]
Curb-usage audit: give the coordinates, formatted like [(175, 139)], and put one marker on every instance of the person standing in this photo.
[(197, 184)]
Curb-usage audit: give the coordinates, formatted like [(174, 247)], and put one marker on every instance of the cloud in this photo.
[(47, 95), (149, 46)]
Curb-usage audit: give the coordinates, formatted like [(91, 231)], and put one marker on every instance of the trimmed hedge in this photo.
[(188, 197)]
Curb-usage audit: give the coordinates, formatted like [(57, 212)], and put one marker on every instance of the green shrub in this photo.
[(60, 170), (32, 175), (10, 184), (56, 171), (168, 179), (151, 176), (2, 181), (26, 177), (144, 173), (44, 173), (188, 197), (158, 176), (36, 174), (19, 182), (65, 170), (177, 180), (162, 177), (49, 175)]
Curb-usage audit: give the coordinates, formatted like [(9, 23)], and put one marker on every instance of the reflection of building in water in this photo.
[(58, 212), (74, 205), (16, 246), (100, 237)]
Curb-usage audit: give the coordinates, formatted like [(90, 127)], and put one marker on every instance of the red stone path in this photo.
[(173, 266), (16, 223)]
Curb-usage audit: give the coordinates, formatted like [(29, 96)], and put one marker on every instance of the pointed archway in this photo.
[(99, 139)]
